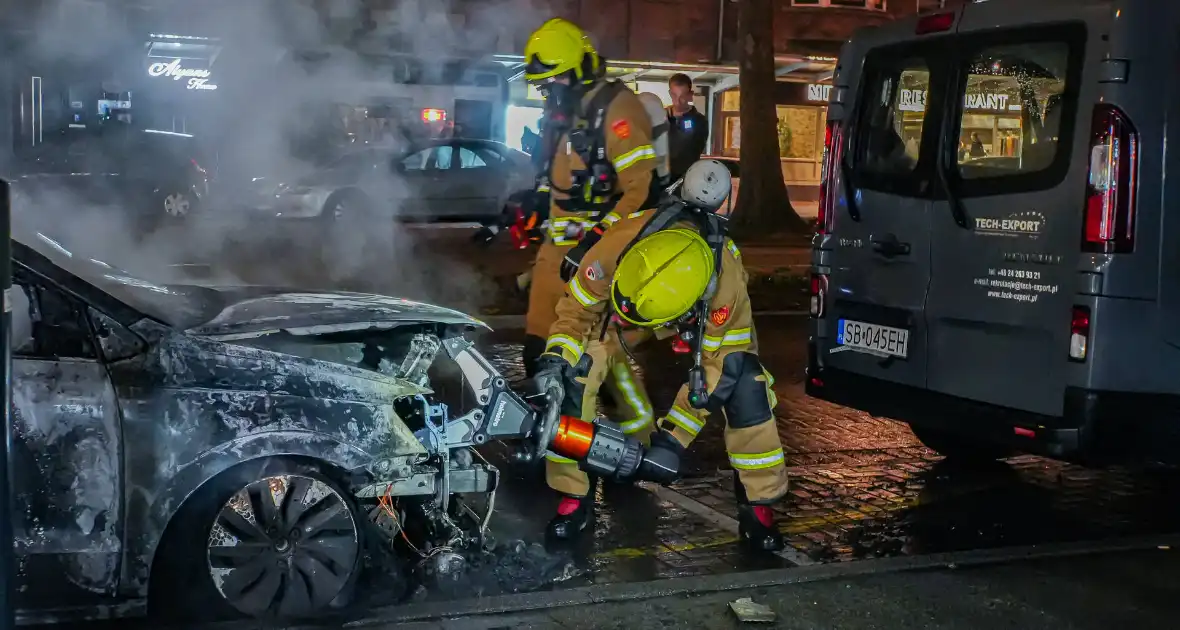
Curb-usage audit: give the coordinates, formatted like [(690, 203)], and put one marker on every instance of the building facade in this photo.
[(647, 40)]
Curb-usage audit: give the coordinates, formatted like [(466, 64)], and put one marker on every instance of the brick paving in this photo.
[(863, 486)]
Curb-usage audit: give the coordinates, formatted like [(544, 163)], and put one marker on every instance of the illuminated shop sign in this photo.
[(197, 78), (915, 101), (817, 92)]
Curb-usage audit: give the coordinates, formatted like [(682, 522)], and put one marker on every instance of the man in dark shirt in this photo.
[(688, 129)]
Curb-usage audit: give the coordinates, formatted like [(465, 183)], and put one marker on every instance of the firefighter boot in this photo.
[(756, 524), (573, 515)]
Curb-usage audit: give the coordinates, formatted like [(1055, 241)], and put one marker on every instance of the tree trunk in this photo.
[(762, 205)]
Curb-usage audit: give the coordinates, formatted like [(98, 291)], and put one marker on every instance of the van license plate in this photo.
[(873, 338)]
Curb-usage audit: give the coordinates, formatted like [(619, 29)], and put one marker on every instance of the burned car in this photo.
[(231, 447)]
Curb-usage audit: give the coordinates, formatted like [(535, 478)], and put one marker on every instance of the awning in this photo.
[(812, 69)]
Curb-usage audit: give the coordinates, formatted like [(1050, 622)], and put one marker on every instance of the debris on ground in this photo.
[(513, 567), (749, 611), (519, 567)]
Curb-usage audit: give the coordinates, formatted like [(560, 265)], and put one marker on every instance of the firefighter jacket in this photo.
[(621, 159), (581, 311)]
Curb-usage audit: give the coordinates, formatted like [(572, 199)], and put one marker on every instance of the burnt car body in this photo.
[(149, 419)]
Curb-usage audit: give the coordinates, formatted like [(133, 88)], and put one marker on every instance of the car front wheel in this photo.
[(281, 540), (177, 204)]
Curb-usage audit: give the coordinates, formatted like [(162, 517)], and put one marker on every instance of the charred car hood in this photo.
[(258, 311)]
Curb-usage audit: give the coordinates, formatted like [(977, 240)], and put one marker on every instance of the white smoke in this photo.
[(254, 122)]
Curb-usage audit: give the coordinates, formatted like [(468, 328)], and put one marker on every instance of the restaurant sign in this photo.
[(195, 78), (915, 101)]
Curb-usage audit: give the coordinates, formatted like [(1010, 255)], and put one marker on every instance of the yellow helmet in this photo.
[(559, 46), (661, 277)]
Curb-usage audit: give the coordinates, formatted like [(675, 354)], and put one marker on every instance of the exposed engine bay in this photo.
[(442, 499)]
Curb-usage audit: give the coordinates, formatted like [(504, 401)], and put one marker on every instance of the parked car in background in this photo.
[(433, 180), (153, 177)]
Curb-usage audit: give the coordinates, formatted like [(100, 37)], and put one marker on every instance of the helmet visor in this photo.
[(543, 72), (626, 309)]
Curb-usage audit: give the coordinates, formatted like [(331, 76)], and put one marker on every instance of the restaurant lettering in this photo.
[(818, 92), (198, 79), (915, 101)]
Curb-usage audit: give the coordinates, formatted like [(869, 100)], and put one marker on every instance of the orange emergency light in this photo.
[(434, 115)]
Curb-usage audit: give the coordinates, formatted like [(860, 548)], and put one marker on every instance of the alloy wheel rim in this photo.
[(285, 545), (176, 204)]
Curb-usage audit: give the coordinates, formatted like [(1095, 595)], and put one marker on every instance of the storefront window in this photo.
[(800, 141), (516, 120), (733, 136), (731, 101), (799, 127), (797, 132)]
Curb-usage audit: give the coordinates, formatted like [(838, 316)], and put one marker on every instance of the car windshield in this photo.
[(181, 306)]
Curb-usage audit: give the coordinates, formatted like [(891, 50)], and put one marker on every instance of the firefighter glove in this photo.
[(573, 259), (549, 376)]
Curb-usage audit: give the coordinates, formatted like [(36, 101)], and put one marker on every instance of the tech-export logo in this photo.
[(1030, 224)]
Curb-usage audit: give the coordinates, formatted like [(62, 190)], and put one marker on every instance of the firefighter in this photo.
[(681, 277), (600, 157), (601, 166)]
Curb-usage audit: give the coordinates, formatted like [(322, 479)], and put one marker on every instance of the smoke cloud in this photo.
[(257, 129)]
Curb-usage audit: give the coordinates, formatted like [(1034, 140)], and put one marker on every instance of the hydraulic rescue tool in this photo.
[(537, 427), (600, 447)]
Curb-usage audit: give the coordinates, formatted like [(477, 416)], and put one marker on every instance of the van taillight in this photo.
[(937, 23), (829, 169), (1079, 333), (819, 292), (1110, 191)]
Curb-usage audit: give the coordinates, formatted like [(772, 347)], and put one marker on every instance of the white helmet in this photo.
[(706, 184)]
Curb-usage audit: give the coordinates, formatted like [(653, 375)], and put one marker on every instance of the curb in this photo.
[(581, 596)]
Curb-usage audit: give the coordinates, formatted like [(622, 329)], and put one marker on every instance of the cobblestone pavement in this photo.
[(860, 487)]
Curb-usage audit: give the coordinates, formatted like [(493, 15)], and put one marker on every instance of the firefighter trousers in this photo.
[(604, 365), (751, 433), (545, 290)]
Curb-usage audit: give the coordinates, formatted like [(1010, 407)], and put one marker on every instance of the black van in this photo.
[(994, 262)]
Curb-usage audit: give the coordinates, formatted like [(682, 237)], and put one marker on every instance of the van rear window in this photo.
[(893, 118), (1010, 121), (987, 113)]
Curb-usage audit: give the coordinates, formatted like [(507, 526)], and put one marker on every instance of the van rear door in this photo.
[(877, 248), (1005, 239)]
